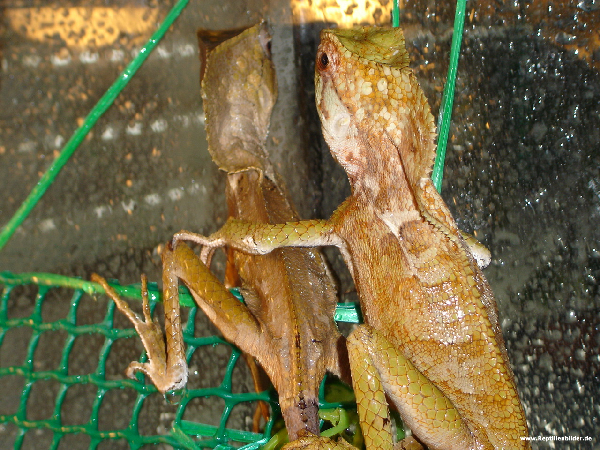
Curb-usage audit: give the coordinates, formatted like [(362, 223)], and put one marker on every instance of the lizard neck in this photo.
[(381, 181)]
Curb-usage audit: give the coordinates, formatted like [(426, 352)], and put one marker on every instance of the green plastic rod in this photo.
[(344, 312), (448, 98), (103, 104)]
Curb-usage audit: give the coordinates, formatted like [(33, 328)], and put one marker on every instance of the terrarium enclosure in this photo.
[(522, 173)]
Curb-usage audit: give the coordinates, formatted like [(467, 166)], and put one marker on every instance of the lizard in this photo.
[(286, 323), (431, 342)]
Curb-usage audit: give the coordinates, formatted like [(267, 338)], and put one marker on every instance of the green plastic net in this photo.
[(27, 372), (25, 369)]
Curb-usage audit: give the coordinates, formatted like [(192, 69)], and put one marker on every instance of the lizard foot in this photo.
[(408, 443), (208, 245), (312, 442), (153, 340)]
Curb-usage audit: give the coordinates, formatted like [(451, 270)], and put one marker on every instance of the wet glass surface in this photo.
[(522, 169)]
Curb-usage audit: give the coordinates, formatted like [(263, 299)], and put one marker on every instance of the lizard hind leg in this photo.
[(379, 368), (152, 338)]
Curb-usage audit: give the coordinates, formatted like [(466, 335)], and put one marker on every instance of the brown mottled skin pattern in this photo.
[(431, 342), (287, 321)]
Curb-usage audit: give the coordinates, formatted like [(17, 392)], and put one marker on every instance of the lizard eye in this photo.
[(323, 61)]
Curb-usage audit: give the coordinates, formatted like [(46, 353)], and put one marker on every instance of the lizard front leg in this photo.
[(261, 238), (167, 366)]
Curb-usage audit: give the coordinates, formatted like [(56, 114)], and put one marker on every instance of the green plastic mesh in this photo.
[(183, 434)]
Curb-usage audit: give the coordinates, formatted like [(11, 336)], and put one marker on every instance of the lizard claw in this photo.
[(206, 255)]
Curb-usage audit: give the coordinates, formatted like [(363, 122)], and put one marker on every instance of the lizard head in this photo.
[(366, 92), (238, 96)]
